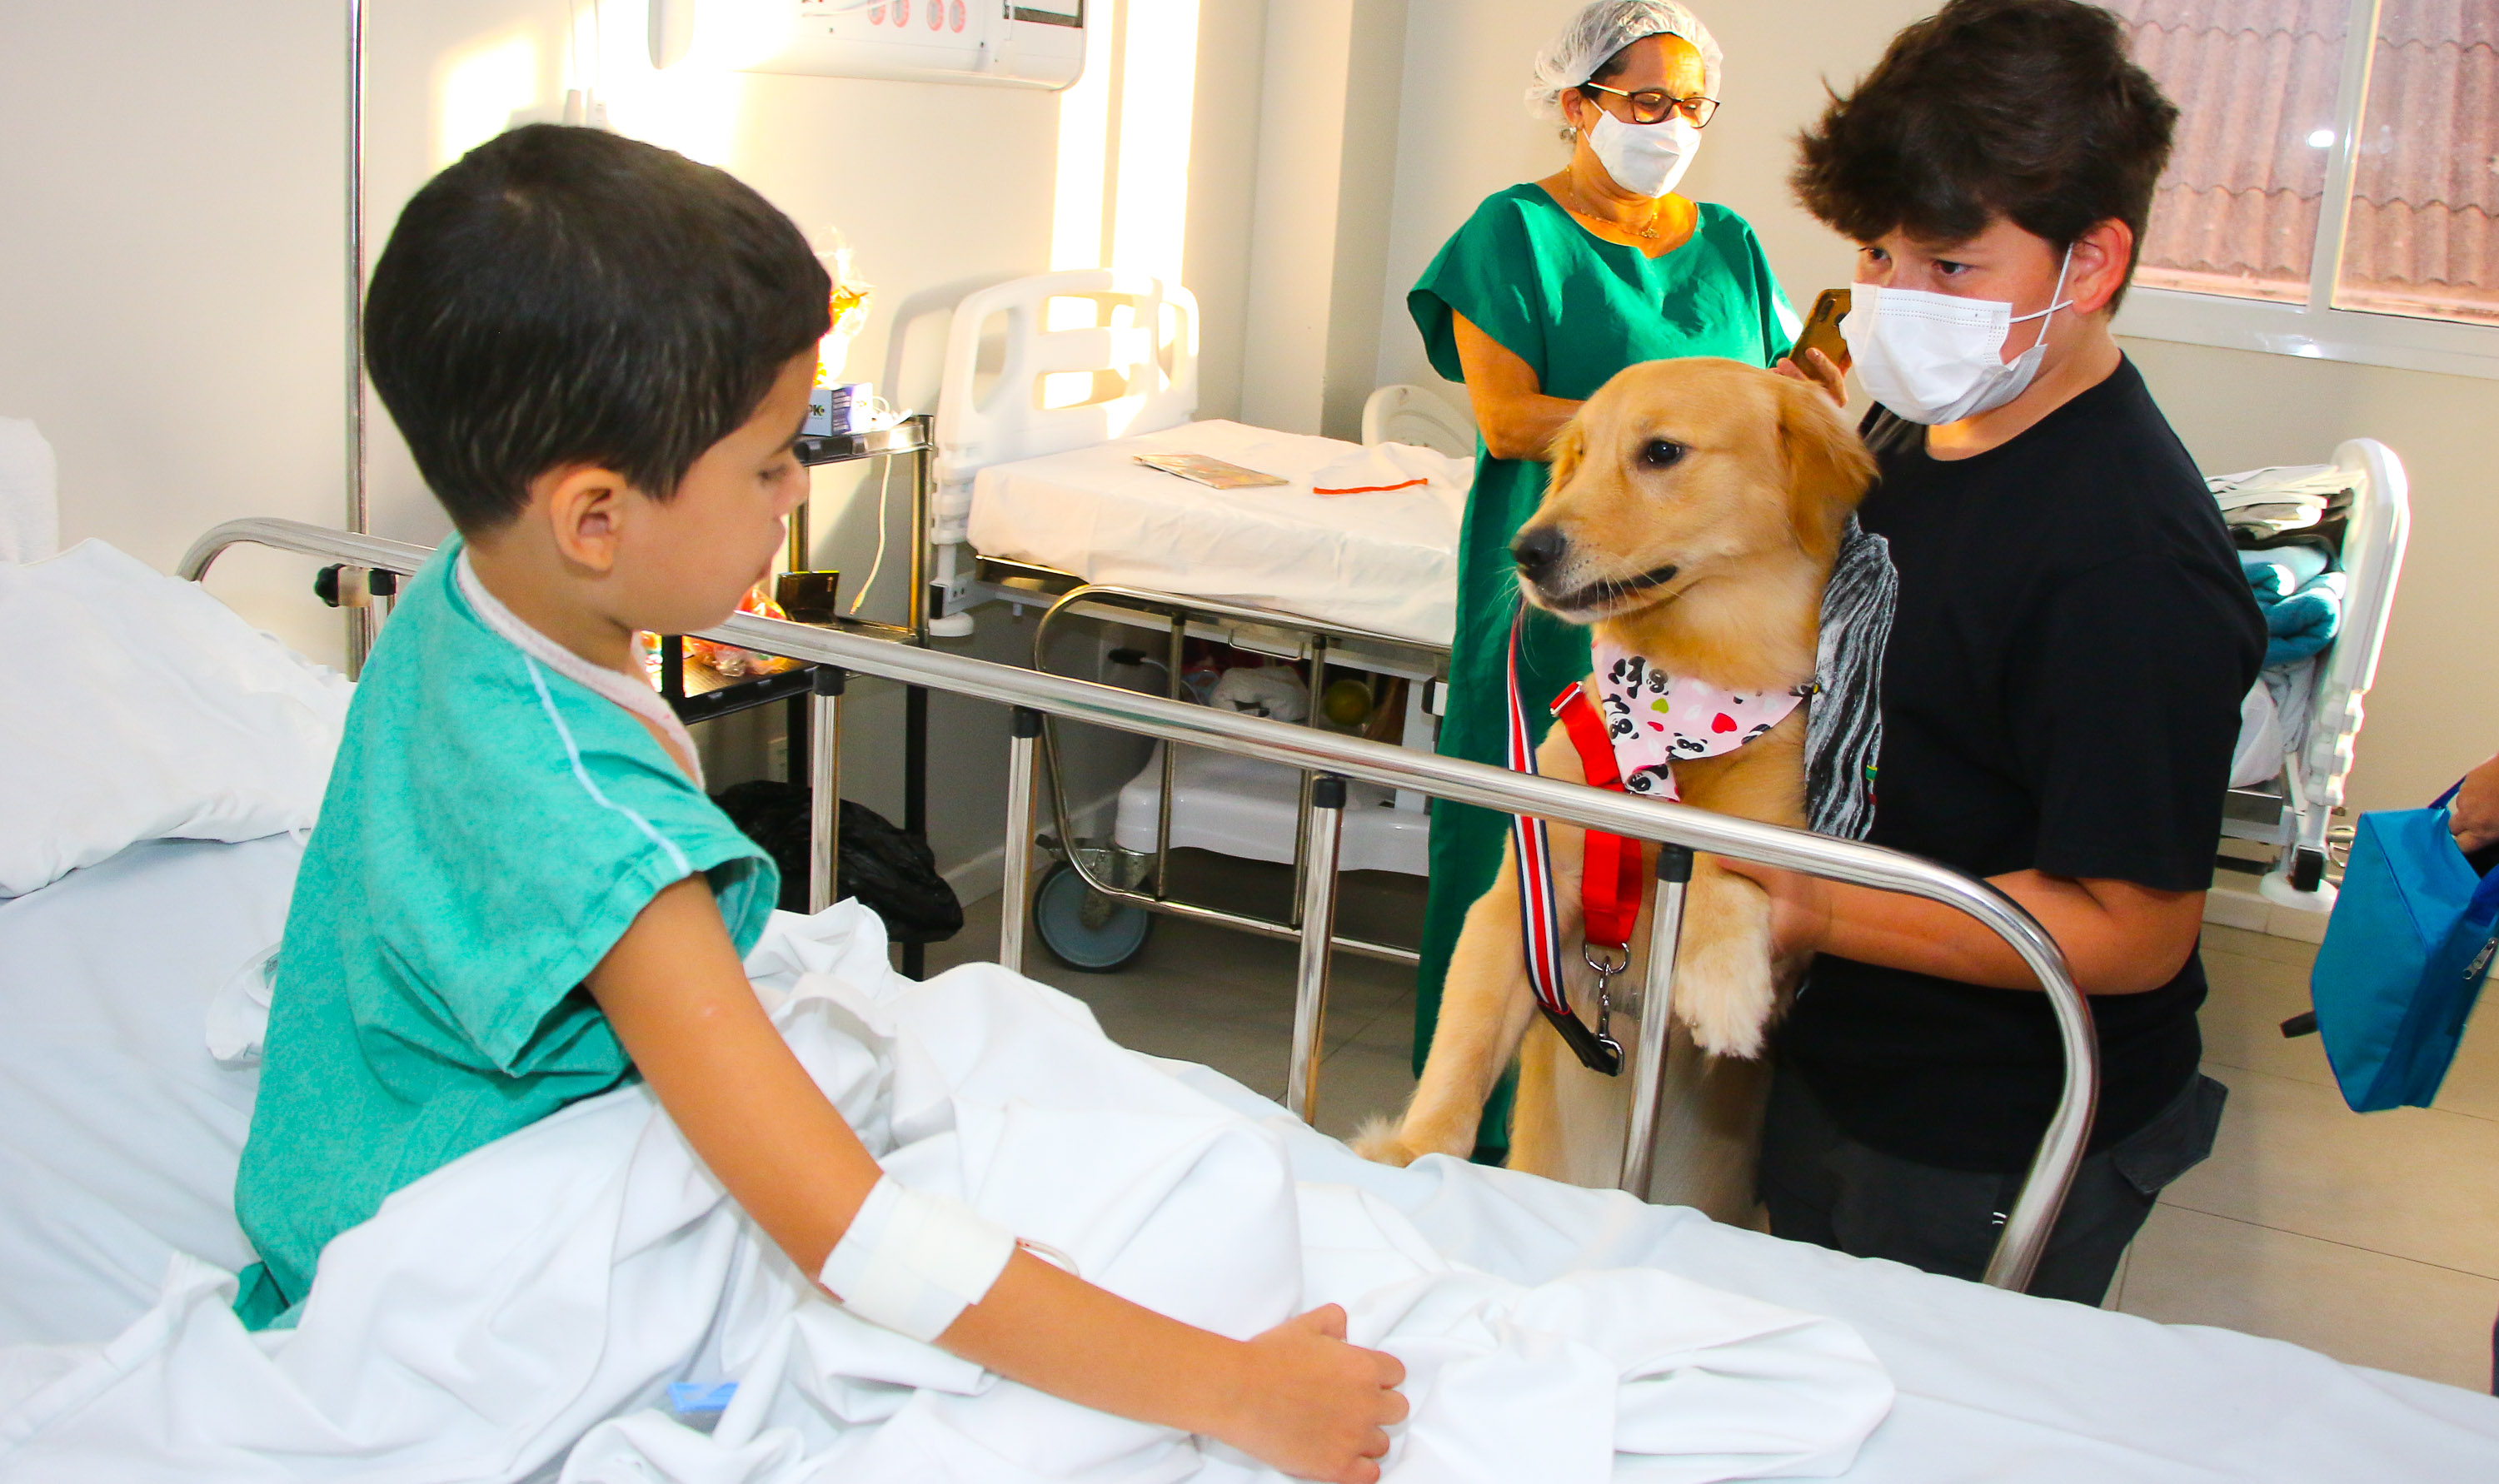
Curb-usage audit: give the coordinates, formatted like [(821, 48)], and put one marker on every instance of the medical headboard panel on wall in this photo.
[(1016, 43)]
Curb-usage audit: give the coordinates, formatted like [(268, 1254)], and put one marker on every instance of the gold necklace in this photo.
[(1647, 231)]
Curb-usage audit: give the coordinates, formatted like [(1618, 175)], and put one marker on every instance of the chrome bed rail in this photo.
[(1329, 754)]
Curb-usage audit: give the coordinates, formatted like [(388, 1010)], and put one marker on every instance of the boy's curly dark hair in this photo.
[(2026, 109)]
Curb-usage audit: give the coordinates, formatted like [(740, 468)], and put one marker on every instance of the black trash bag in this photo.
[(893, 872)]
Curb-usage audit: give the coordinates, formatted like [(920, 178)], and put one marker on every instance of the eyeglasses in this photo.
[(1651, 105)]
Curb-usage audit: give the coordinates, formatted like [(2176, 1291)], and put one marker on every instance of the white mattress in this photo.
[(1387, 563), (120, 1135)]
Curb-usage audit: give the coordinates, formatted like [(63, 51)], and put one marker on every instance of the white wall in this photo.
[(170, 290), (1463, 134), (1318, 235), (172, 278)]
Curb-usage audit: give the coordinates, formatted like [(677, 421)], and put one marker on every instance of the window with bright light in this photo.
[(2341, 156)]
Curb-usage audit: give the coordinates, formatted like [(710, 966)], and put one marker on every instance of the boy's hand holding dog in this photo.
[(2118, 937), (1800, 908)]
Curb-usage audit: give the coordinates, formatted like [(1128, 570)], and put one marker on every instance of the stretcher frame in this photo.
[(997, 414), (1180, 619), (2294, 811), (1676, 829)]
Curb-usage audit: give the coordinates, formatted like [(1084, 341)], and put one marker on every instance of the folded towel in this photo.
[(2281, 571), (2256, 486), (2268, 501), (30, 526), (2304, 623), (2273, 518)]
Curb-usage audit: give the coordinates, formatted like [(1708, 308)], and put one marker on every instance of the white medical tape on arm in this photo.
[(912, 1261)]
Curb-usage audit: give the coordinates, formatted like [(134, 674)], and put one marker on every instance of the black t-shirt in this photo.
[(2061, 691)]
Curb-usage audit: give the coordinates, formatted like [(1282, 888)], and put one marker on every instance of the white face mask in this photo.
[(1936, 358), (1644, 159)]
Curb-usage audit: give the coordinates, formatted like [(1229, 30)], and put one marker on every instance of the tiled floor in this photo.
[(2372, 1239)]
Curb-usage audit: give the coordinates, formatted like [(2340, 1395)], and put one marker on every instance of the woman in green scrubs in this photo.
[(1548, 290)]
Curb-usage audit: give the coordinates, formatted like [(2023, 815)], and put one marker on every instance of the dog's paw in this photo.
[(1724, 991), (1379, 1143)]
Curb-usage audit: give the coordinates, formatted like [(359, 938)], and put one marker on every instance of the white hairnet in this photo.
[(1604, 27)]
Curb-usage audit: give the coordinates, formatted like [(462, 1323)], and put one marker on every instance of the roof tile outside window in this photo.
[(2426, 188), (2237, 211)]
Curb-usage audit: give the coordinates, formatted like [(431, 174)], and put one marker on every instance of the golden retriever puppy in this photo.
[(1692, 518)]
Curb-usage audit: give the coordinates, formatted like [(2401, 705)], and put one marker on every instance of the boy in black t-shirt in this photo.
[(2060, 692)]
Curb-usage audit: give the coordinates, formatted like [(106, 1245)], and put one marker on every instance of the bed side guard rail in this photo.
[(2380, 527), (1331, 755), (1143, 336)]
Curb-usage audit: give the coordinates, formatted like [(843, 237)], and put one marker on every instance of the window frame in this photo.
[(2315, 329)]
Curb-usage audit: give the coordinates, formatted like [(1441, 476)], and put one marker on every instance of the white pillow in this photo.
[(30, 516), (134, 706)]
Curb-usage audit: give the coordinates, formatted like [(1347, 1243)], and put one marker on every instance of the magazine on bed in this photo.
[(1213, 473)]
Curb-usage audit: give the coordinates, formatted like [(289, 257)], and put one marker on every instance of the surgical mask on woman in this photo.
[(1938, 358), (1644, 159)]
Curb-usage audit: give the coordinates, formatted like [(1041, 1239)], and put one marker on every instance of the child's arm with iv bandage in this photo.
[(673, 988)]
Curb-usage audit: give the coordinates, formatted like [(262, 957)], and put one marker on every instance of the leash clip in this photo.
[(1595, 956)]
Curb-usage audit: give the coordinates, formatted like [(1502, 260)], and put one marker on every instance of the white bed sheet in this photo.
[(119, 1134), (119, 1139), (1993, 1386), (525, 1304), (1387, 563)]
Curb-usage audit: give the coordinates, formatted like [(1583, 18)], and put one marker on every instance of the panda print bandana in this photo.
[(1655, 719)]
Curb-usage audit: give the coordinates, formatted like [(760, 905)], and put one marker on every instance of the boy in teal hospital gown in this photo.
[(518, 894)]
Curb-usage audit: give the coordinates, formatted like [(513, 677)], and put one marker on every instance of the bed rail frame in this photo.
[(1333, 758)]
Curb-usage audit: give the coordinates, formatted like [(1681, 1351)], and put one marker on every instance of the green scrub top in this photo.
[(490, 829), (1577, 309)]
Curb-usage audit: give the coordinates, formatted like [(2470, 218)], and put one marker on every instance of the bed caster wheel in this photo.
[(1084, 929)]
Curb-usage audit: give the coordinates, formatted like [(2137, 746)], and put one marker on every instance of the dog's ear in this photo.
[(1827, 466), (1569, 444)]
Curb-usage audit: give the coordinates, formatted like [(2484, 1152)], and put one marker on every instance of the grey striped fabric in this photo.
[(1844, 734)]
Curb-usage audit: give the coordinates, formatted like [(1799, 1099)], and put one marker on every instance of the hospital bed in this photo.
[(2292, 811), (1053, 386), (123, 1133)]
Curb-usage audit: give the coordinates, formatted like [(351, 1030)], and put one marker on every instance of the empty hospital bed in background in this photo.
[(1991, 1385), (1054, 387), (2307, 723)]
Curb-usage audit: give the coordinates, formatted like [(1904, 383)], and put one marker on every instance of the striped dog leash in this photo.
[(1609, 872)]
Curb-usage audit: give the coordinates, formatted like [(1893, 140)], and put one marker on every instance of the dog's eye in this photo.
[(1660, 453)]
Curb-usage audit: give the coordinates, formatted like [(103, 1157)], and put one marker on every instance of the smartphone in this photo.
[(1821, 329)]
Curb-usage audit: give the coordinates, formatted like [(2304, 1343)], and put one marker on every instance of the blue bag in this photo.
[(2409, 942)]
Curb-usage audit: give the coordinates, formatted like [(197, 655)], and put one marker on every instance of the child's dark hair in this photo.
[(2030, 108), (565, 296)]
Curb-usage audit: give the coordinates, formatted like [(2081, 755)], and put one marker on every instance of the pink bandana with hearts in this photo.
[(1655, 719)]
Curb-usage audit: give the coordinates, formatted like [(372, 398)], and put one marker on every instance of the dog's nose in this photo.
[(1537, 550)]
